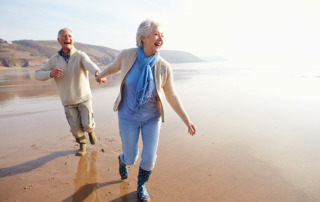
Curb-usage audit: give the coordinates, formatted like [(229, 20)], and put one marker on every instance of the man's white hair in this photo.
[(63, 30)]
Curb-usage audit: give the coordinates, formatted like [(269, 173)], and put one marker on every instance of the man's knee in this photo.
[(88, 127), (77, 132), (87, 120)]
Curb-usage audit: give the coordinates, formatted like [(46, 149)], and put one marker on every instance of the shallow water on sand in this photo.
[(270, 113)]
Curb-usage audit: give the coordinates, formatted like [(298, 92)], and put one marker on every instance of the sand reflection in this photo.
[(86, 181)]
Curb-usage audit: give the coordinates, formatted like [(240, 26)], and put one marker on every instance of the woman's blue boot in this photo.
[(143, 177), (123, 170)]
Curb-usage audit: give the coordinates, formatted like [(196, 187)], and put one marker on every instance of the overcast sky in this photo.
[(243, 30)]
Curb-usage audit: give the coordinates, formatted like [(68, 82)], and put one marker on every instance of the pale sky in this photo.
[(276, 31)]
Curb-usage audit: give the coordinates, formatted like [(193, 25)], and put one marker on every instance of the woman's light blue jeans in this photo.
[(129, 133)]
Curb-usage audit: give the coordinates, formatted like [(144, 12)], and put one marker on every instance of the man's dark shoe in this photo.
[(83, 146), (92, 138)]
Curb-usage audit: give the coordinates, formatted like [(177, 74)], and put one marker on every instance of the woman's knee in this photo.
[(131, 158), (148, 163)]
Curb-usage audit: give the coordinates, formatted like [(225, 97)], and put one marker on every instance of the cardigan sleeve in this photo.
[(172, 97), (113, 68)]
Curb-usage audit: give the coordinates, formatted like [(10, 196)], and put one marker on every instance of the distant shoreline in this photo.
[(34, 53)]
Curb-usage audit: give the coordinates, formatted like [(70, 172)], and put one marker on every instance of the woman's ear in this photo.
[(142, 38)]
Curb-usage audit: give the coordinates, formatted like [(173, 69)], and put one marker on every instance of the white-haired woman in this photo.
[(144, 76)]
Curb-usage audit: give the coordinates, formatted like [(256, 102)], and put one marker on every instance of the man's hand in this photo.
[(100, 80), (56, 73)]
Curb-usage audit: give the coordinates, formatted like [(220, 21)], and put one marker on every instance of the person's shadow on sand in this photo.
[(129, 197), (33, 164)]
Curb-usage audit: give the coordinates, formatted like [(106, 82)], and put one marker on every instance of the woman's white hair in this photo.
[(144, 29)]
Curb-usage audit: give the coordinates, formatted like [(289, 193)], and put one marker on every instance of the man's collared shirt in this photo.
[(65, 57)]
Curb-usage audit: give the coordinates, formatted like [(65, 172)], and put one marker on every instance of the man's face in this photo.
[(65, 40)]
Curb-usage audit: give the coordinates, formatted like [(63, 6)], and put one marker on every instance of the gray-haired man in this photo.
[(69, 68)]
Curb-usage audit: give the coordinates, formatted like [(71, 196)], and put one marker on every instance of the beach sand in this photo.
[(235, 156)]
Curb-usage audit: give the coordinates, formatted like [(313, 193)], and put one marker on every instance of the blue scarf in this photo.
[(145, 83)]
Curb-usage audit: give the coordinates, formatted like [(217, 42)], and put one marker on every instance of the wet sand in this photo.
[(248, 147)]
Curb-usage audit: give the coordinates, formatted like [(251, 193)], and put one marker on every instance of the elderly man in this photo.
[(69, 68)]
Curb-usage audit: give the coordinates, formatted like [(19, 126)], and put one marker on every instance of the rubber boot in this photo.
[(143, 177), (123, 170), (83, 146), (92, 138)]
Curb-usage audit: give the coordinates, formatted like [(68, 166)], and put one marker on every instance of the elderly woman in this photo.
[(139, 104)]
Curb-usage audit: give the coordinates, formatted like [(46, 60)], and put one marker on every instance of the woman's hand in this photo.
[(100, 80), (191, 128)]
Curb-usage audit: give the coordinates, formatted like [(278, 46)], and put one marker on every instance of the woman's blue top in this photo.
[(127, 105)]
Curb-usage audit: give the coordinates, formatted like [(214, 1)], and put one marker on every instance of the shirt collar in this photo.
[(65, 57)]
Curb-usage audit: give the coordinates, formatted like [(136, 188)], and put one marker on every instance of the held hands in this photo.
[(100, 80), (56, 73), (191, 128)]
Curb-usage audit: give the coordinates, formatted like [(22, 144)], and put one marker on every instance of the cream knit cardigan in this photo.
[(73, 86), (163, 80)]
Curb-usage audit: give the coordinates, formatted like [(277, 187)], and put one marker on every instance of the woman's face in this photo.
[(153, 42)]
